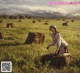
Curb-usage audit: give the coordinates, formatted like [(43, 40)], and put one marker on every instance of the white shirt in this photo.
[(58, 40)]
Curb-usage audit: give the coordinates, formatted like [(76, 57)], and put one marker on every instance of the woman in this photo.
[(62, 45)]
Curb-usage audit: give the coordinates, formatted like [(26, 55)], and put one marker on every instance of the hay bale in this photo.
[(65, 23), (12, 17), (1, 36), (20, 20), (33, 21), (46, 23), (35, 37), (72, 20), (39, 20), (56, 61), (9, 25), (1, 21), (63, 19)]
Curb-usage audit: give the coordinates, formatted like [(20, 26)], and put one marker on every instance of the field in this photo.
[(23, 56)]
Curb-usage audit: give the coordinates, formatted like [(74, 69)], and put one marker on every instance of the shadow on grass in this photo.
[(10, 44)]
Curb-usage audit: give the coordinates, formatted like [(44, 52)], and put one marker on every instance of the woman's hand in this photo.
[(48, 47)]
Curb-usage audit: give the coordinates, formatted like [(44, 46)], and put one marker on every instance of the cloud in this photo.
[(76, 14), (46, 8), (38, 5)]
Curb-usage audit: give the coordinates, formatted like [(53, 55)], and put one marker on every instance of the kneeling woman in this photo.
[(62, 45)]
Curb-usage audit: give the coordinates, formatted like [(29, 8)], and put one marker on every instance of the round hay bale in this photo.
[(1, 21), (72, 20), (39, 20), (19, 20), (63, 19), (1, 36), (33, 21), (46, 23)]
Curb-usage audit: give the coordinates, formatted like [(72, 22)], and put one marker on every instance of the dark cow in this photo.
[(65, 23), (35, 37), (10, 25)]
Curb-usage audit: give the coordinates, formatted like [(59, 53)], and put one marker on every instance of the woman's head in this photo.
[(53, 29)]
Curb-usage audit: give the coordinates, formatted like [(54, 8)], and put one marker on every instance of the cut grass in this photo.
[(12, 47)]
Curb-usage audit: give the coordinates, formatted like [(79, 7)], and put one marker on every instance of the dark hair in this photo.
[(53, 28)]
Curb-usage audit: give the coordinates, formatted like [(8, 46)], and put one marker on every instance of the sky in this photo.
[(40, 5)]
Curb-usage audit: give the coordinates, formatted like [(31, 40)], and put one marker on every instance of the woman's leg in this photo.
[(66, 49)]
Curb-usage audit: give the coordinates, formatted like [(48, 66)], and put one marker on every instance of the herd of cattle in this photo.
[(33, 37)]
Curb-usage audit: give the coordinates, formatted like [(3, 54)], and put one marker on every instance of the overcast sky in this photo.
[(41, 4)]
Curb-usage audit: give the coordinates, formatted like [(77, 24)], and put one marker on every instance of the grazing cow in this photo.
[(1, 37), (9, 25), (46, 23), (35, 37), (65, 23)]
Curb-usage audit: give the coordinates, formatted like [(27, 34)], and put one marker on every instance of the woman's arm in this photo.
[(51, 44)]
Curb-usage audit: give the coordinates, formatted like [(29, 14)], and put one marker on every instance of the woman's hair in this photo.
[(54, 27)]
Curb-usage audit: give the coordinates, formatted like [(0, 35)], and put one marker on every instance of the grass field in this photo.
[(12, 46)]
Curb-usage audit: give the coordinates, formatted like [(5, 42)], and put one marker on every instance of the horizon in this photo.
[(23, 6)]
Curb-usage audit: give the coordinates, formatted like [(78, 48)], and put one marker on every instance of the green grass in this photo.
[(12, 46)]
